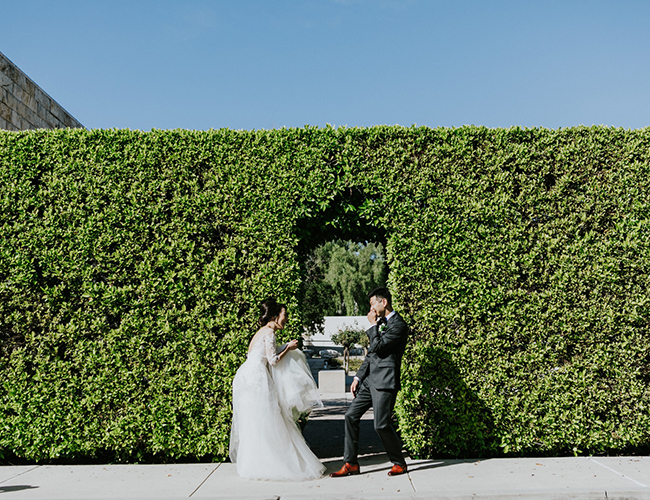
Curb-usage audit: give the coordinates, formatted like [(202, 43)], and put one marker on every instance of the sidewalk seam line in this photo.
[(203, 482), (17, 475), (619, 473), (411, 481)]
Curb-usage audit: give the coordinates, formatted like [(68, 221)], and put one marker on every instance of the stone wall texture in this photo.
[(25, 106)]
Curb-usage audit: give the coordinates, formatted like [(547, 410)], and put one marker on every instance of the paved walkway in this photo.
[(529, 478)]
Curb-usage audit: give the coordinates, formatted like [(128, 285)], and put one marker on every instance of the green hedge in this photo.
[(131, 264), (523, 258)]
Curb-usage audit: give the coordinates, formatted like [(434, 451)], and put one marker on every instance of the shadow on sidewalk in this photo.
[(325, 438), (378, 462), (325, 433), (436, 464), (16, 487)]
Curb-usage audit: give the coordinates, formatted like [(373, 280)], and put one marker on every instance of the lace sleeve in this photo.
[(269, 348)]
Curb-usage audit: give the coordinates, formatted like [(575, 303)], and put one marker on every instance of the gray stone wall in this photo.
[(25, 106)]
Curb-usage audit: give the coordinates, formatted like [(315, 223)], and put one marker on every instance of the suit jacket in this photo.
[(384, 360)]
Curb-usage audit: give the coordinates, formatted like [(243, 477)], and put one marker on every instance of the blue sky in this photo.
[(248, 64)]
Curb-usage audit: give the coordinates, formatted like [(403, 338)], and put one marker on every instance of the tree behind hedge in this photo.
[(336, 279), (348, 338)]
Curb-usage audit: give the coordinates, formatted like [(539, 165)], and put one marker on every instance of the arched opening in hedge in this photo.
[(339, 229)]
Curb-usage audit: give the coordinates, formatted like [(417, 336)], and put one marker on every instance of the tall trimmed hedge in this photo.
[(131, 264)]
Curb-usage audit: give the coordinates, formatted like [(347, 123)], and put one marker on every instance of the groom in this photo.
[(377, 383)]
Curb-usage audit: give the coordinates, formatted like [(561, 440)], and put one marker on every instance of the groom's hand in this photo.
[(354, 386), (372, 316)]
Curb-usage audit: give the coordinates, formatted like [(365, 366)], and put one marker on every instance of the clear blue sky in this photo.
[(253, 64)]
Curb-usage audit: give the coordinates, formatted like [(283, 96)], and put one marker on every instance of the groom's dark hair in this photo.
[(381, 293)]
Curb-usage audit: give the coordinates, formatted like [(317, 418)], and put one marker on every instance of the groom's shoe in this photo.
[(397, 470), (347, 470)]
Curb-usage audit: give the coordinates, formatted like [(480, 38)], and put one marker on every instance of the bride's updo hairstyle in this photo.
[(270, 309)]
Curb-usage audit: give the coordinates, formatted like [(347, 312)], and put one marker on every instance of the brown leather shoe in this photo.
[(397, 470), (347, 470)]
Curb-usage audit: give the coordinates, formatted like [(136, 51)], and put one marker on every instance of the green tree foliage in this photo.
[(339, 275), (349, 338), (317, 297), (354, 269)]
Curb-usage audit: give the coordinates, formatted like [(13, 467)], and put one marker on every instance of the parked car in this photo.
[(329, 353)]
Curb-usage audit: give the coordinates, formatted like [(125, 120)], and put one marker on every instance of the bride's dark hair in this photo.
[(270, 309)]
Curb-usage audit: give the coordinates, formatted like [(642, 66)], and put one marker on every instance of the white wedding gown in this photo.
[(265, 441)]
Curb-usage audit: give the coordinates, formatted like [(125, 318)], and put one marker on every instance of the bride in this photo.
[(270, 391)]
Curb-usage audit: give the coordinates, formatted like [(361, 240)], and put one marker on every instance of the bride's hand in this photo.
[(292, 345)]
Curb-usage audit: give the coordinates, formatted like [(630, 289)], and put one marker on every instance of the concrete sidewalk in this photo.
[(530, 478)]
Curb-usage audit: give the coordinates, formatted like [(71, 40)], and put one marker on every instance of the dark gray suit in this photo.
[(379, 381)]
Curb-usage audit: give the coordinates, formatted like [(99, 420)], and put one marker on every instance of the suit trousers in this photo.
[(382, 403)]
